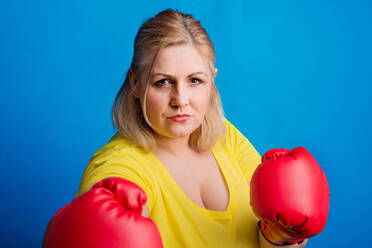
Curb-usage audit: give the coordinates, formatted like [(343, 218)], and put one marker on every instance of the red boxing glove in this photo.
[(290, 195), (106, 216)]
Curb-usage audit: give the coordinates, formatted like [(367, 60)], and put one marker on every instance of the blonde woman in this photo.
[(177, 173)]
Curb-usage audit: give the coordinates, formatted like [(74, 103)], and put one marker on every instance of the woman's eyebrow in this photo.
[(170, 76), (199, 72), (161, 74)]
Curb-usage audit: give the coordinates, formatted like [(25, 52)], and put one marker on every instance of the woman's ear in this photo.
[(133, 82), (132, 79), (215, 73)]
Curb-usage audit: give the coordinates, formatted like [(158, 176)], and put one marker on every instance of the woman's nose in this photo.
[(179, 96)]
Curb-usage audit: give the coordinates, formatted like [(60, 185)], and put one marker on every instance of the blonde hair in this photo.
[(167, 28)]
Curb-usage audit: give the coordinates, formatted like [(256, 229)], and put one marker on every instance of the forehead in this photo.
[(179, 60)]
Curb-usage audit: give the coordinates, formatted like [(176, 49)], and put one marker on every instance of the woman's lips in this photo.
[(180, 118)]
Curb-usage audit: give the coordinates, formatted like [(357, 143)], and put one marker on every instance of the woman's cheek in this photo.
[(155, 107), (203, 101)]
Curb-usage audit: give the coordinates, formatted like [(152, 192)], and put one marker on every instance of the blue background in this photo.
[(291, 73)]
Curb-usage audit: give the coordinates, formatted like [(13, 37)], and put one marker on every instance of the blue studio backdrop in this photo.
[(291, 73)]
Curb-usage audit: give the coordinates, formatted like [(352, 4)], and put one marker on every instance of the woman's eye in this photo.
[(196, 81), (162, 82)]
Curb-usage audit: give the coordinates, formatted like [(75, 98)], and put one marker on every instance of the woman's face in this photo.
[(180, 85)]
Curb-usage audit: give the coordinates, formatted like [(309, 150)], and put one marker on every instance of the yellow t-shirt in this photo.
[(180, 221)]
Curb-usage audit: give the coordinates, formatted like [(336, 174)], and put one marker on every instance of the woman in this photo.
[(174, 143)]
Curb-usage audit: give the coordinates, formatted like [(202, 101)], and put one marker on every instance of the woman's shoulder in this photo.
[(119, 147), (119, 155), (235, 140), (232, 134), (118, 158)]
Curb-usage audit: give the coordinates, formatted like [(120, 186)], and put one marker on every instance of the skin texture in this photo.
[(180, 91), (145, 211)]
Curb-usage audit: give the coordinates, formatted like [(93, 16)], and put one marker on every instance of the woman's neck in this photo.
[(173, 146)]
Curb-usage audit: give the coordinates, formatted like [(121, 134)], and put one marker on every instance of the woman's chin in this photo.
[(180, 133)]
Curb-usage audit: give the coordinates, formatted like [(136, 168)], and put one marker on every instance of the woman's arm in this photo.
[(145, 211)]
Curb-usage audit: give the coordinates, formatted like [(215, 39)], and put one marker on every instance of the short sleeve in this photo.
[(118, 163), (243, 151)]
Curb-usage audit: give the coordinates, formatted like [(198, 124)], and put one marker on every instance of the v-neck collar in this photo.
[(193, 204)]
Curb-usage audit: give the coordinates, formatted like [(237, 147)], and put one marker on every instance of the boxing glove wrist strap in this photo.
[(284, 244)]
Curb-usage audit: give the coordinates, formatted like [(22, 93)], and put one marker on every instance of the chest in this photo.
[(201, 180)]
